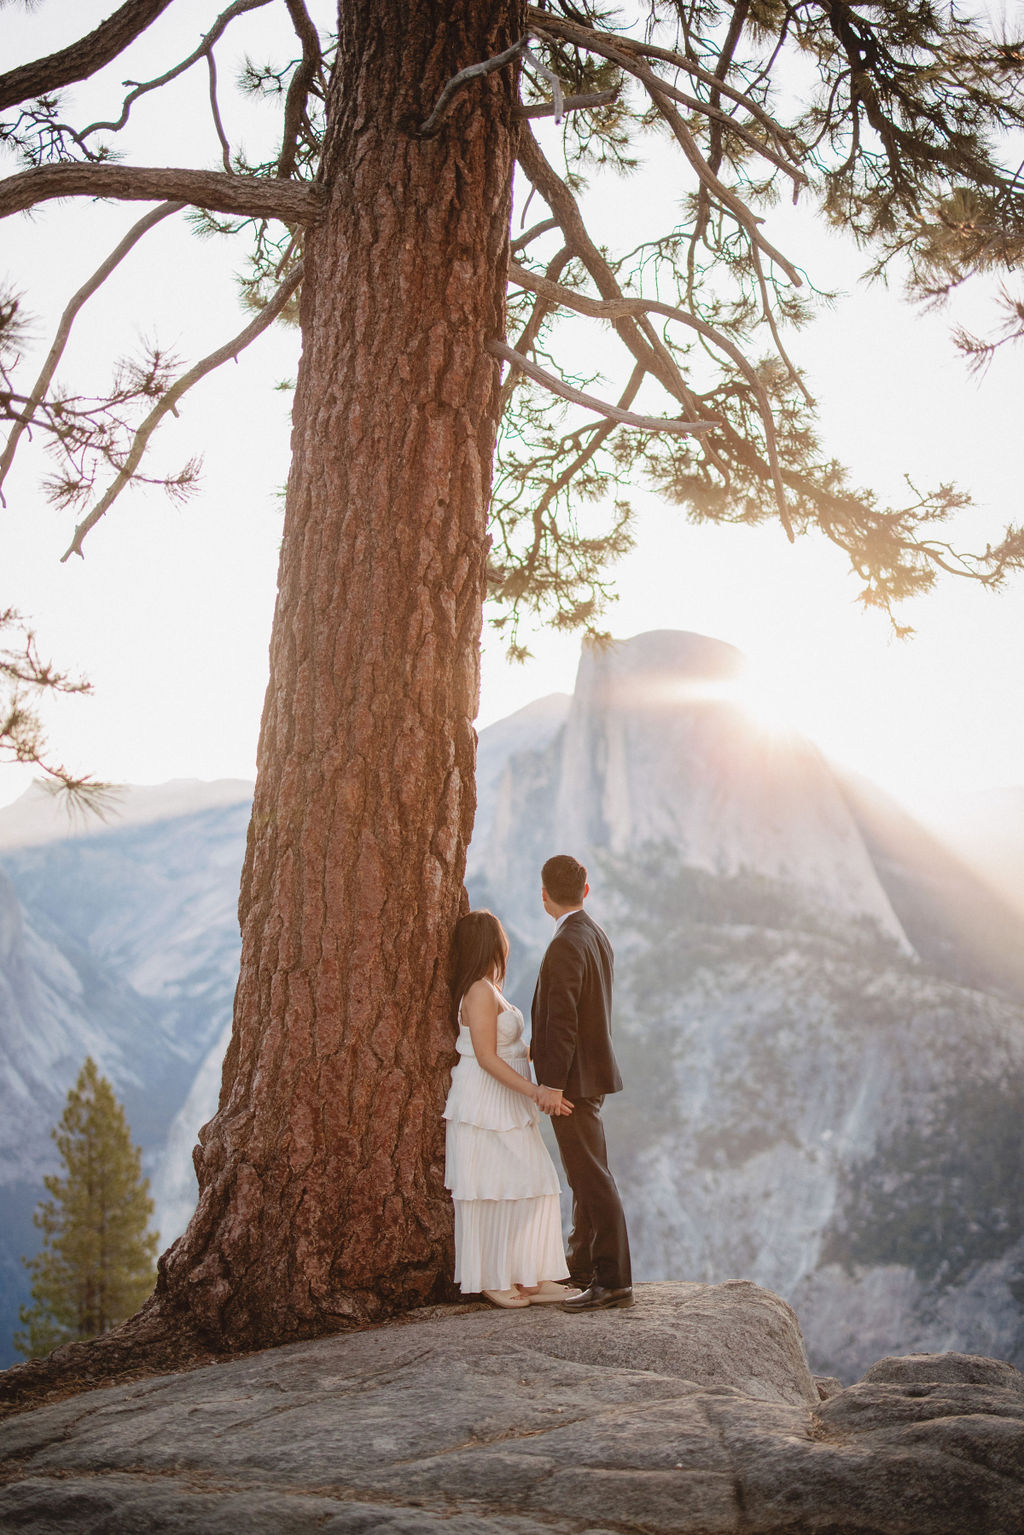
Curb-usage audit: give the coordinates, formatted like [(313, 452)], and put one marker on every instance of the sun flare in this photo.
[(770, 704)]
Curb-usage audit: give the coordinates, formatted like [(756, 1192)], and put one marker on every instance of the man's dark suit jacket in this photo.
[(571, 1012)]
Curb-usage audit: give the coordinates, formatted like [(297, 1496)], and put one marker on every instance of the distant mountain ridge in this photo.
[(818, 1009), (40, 817)]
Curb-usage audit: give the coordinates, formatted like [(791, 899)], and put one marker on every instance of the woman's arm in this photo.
[(480, 1014)]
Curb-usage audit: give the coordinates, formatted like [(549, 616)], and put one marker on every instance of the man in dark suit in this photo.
[(572, 1053)]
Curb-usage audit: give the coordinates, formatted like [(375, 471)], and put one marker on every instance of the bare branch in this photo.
[(237, 9), (569, 104), (589, 402), (556, 108), (471, 72), (169, 401), (44, 76), (534, 233), (557, 98), (298, 90), (527, 337), (225, 147), (248, 196), (67, 319)]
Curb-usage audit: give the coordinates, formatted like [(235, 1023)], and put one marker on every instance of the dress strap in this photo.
[(503, 1005)]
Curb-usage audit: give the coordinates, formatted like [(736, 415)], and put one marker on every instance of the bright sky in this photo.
[(169, 613)]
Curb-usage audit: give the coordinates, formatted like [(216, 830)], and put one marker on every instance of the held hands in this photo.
[(550, 1101)]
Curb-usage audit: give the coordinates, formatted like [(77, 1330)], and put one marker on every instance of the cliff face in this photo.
[(819, 1007), (831, 1122), (818, 1012)]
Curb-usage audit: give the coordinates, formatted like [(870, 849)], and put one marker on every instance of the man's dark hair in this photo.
[(564, 879)]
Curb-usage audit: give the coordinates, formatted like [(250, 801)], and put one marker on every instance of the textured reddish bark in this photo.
[(321, 1194), (321, 1189)]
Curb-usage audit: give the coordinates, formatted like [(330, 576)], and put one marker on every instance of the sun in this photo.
[(772, 702), (769, 704)]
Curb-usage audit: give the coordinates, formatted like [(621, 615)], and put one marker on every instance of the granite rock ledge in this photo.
[(692, 1414)]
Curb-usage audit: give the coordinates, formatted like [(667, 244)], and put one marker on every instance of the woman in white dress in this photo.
[(508, 1229)]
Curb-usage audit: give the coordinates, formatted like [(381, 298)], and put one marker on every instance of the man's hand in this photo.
[(550, 1101)]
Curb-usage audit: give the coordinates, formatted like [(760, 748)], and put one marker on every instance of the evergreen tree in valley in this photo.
[(97, 1263)]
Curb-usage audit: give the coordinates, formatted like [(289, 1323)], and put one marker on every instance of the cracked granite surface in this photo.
[(692, 1414)]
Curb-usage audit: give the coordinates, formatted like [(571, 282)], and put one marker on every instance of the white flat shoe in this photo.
[(549, 1292), (508, 1300)]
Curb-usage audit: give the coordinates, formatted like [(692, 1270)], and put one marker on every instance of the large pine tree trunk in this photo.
[(321, 1187)]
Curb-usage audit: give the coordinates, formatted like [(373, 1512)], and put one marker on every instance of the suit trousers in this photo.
[(598, 1244)]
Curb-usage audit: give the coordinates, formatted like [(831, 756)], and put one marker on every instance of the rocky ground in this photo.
[(693, 1414)]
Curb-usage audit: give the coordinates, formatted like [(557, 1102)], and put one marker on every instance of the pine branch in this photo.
[(44, 76), (298, 90), (596, 436), (205, 48), (622, 54), (768, 314), (23, 673), (169, 401), (249, 196), (720, 193), (60, 340), (564, 207), (611, 412), (619, 308), (636, 332), (591, 39)]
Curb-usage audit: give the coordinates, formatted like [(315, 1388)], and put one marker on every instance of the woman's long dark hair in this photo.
[(479, 948)]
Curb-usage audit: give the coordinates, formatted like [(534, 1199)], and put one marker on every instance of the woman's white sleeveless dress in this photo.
[(508, 1228)]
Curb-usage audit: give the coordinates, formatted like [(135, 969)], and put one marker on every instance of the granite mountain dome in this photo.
[(654, 746)]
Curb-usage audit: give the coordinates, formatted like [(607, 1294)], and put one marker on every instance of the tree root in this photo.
[(155, 1341)]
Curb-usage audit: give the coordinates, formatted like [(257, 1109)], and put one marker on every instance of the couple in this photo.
[(508, 1234)]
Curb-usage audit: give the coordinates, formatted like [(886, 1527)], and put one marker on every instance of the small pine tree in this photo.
[(97, 1263)]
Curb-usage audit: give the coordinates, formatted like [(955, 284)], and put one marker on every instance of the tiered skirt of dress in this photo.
[(502, 1180)]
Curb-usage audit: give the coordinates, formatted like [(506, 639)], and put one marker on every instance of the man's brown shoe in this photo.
[(597, 1298)]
